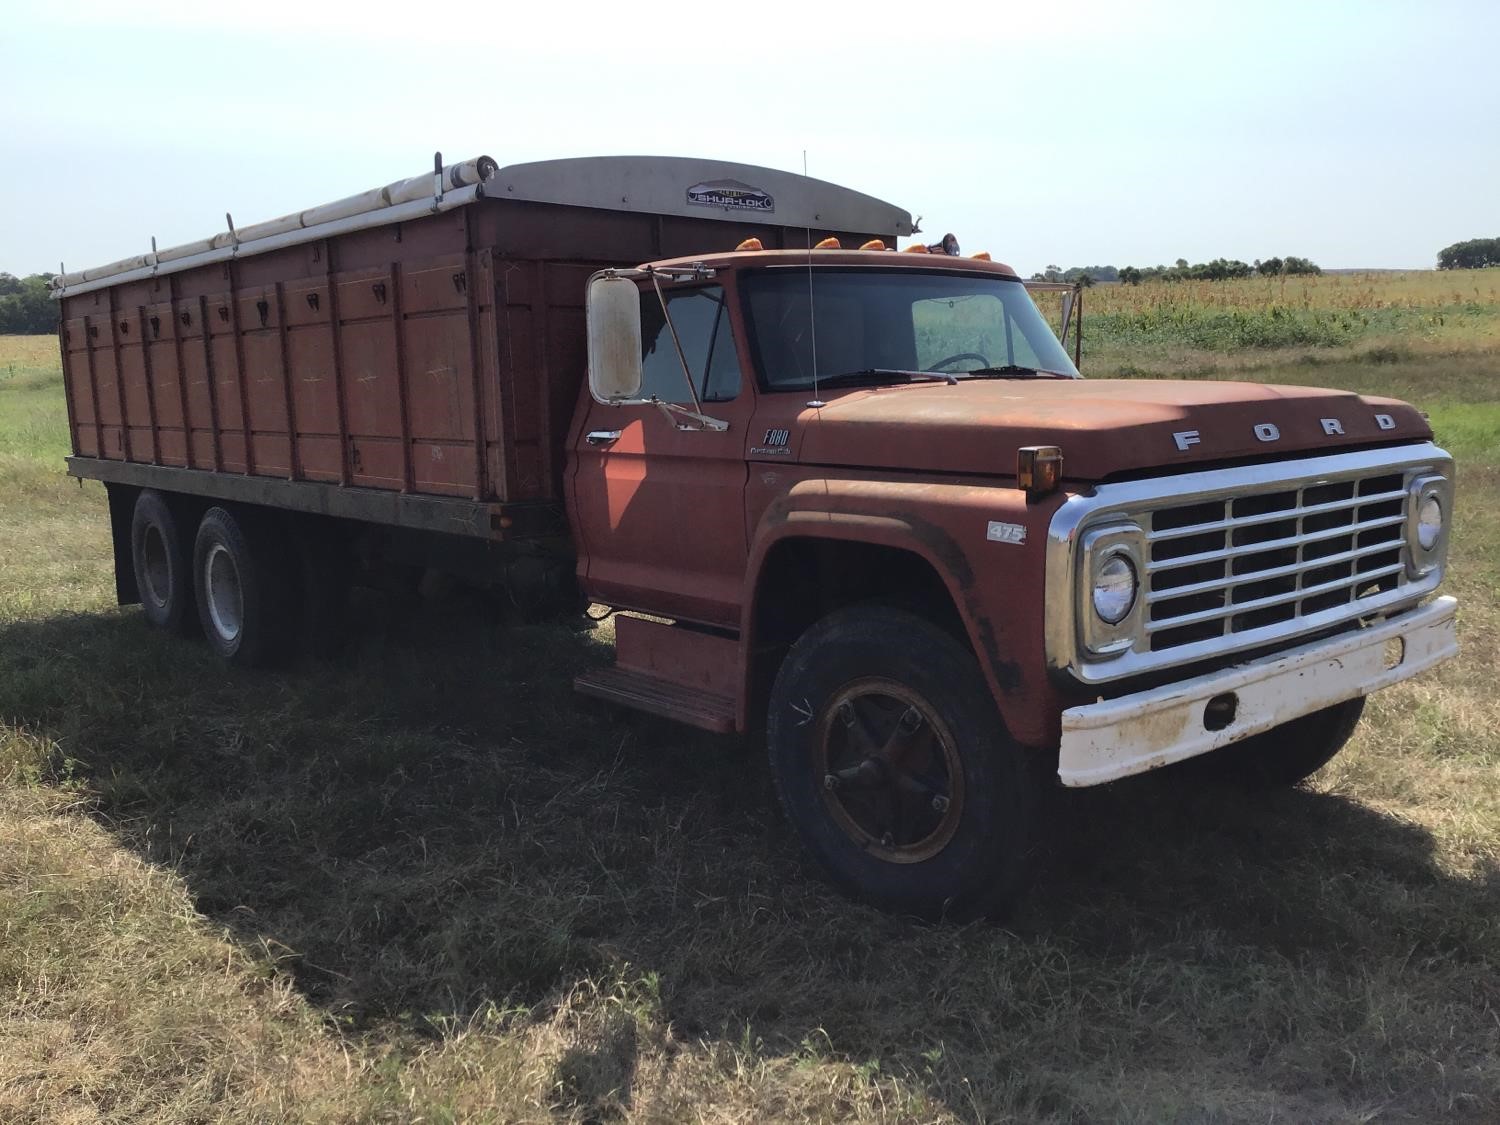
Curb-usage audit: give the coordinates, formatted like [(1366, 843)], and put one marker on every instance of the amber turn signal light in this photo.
[(1038, 469)]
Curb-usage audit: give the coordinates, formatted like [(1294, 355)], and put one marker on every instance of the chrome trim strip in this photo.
[(1269, 544), (1133, 499), (1188, 530), (1251, 577), (1278, 599)]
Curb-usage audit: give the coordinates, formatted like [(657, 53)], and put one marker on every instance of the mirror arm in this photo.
[(673, 412), (676, 343)]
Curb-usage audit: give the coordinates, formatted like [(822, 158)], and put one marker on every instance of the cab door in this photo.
[(658, 509)]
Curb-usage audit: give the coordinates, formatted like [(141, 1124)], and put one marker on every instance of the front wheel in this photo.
[(895, 769)]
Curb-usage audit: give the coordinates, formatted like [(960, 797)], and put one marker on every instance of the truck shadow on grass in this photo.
[(434, 823)]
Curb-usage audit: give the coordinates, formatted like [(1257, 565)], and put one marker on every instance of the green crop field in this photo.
[(424, 881)]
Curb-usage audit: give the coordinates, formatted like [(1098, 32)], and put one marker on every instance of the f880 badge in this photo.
[(774, 444)]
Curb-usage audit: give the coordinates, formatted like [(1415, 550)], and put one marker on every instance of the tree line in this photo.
[(1220, 269), (26, 305), (1475, 254)]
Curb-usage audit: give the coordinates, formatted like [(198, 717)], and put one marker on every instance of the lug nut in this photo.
[(940, 804), (830, 782)]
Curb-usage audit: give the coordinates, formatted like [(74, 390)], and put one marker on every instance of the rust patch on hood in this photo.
[(1104, 426)]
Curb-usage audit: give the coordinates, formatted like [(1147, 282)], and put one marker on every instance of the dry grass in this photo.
[(426, 882)]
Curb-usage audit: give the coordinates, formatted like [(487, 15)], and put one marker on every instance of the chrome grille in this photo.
[(1238, 559), (1233, 564)]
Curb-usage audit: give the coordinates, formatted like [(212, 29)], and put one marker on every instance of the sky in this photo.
[(1073, 133)]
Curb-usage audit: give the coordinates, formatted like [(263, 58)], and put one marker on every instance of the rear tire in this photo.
[(895, 768), (163, 566), (246, 587), (1285, 755)]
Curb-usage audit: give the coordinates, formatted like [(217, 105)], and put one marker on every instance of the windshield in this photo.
[(883, 325)]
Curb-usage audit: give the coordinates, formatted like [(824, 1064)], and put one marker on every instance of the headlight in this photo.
[(1109, 588), (1114, 588), (1429, 522), (1428, 506)]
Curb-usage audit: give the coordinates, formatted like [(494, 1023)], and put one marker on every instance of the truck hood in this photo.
[(1103, 426)]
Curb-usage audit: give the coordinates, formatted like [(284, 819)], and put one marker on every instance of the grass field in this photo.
[(425, 882), (1395, 314)]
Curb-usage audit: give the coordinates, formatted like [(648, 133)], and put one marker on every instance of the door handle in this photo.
[(602, 437)]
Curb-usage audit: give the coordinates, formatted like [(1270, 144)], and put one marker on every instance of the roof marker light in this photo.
[(982, 256), (828, 244), (750, 244), (916, 248), (873, 244)]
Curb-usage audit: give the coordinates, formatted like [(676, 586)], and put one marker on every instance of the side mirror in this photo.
[(614, 331)]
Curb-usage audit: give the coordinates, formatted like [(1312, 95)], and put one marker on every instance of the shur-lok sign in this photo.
[(730, 194)]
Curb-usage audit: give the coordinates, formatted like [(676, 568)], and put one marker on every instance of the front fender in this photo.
[(995, 578)]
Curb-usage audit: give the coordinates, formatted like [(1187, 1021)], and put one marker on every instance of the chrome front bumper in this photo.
[(1119, 737)]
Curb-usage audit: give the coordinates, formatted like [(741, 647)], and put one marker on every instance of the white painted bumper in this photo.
[(1132, 734)]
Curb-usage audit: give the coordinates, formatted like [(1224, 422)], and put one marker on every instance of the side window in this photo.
[(701, 318)]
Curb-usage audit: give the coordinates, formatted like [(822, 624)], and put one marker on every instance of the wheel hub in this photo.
[(225, 600), (891, 778)]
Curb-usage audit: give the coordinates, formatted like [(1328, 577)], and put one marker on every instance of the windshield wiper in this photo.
[(866, 374), (1013, 371)]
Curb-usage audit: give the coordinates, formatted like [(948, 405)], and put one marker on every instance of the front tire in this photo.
[(895, 769), (163, 565), (246, 586)]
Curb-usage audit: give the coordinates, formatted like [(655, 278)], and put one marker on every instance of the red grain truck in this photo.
[(858, 499)]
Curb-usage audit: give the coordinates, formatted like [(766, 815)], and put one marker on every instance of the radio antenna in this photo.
[(812, 315)]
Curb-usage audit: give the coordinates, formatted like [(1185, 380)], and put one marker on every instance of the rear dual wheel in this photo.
[(249, 583), (895, 768), (161, 558), (246, 584)]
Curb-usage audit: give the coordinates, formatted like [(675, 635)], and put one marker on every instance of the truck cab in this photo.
[(798, 447)]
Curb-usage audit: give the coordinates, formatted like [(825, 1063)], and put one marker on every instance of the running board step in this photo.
[(657, 696)]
